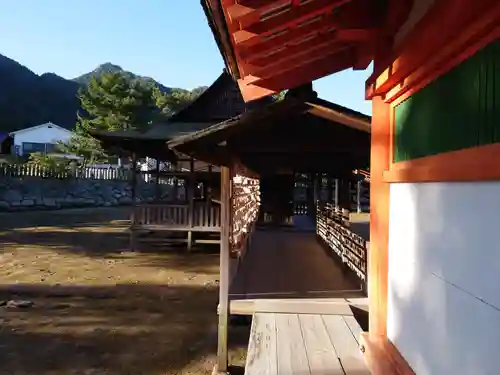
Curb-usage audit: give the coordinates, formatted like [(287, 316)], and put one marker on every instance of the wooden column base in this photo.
[(382, 357)]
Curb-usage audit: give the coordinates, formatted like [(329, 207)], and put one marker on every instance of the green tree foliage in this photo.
[(169, 103), (49, 162), (111, 102), (279, 96)]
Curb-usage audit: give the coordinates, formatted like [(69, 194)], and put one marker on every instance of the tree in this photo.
[(176, 100), (52, 163), (111, 102), (279, 96)]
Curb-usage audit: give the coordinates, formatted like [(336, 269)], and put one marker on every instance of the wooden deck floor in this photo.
[(287, 264), (302, 344)]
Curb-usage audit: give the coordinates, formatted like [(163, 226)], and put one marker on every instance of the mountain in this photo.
[(112, 68), (28, 99)]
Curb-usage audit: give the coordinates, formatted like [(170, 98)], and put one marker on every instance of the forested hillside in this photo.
[(27, 99)]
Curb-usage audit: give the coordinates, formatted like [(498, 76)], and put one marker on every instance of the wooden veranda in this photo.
[(306, 305), (292, 265), (433, 91), (307, 273)]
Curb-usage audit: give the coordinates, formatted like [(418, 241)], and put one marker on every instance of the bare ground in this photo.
[(99, 309)]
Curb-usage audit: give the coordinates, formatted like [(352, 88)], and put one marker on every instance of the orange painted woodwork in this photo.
[(339, 58), (444, 32), (259, 3), (443, 62), (252, 44), (471, 164), (253, 88), (378, 266), (295, 15), (327, 41), (266, 38), (382, 357), (249, 43), (248, 15)]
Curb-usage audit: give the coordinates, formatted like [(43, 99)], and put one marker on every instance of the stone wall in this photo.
[(36, 193)]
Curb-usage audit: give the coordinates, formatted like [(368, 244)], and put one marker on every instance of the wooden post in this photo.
[(379, 223), (329, 189), (133, 196), (157, 187), (344, 199), (176, 182), (222, 356), (358, 196), (207, 187), (336, 194), (310, 191), (190, 196)]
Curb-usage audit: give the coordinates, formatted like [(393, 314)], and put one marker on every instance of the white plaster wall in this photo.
[(444, 277), (44, 134)]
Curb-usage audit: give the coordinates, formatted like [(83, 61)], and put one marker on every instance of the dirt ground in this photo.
[(99, 309)]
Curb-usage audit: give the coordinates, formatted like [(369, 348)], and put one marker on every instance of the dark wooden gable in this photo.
[(221, 101), (301, 133)]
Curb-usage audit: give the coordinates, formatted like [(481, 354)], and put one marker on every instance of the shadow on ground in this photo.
[(124, 329), (98, 233)]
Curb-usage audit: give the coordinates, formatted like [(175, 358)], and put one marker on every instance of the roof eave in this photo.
[(221, 36)]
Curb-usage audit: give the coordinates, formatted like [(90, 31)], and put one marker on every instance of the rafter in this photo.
[(294, 16), (252, 44), (248, 13), (285, 52), (333, 40), (269, 67), (253, 88)]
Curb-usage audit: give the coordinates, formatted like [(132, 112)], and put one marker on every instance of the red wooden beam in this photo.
[(292, 61), (295, 15), (309, 49), (248, 13), (249, 43), (255, 3), (437, 33), (255, 45), (253, 88), (286, 52)]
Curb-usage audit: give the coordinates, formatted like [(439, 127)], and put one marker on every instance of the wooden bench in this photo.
[(304, 344)]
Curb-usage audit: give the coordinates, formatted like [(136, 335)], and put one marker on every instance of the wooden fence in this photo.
[(91, 173), (349, 246)]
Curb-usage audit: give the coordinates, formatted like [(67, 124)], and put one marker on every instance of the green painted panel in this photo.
[(459, 110)]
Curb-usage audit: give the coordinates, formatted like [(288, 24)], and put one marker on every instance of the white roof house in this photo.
[(39, 138)]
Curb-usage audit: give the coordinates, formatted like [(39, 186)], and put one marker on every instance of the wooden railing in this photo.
[(349, 246), (177, 216)]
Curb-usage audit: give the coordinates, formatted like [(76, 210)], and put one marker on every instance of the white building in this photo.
[(40, 138)]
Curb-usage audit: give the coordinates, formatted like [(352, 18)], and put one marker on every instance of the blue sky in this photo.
[(168, 40)]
